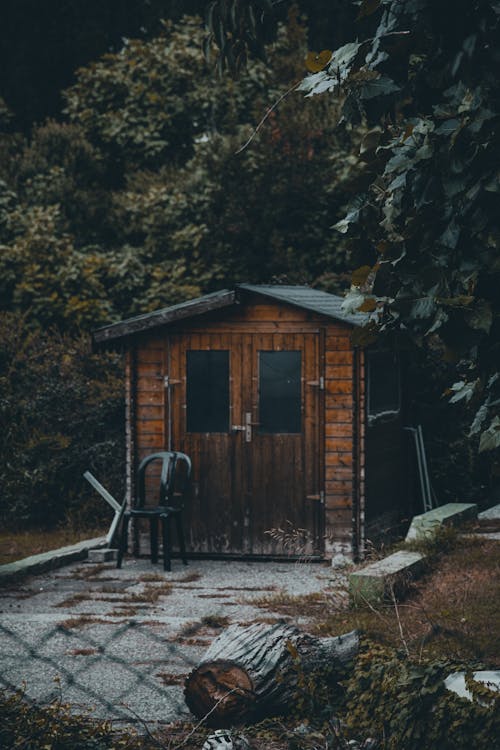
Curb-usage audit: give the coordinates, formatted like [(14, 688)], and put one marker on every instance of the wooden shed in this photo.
[(263, 388)]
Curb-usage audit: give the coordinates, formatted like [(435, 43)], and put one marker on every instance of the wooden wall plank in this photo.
[(338, 445), (338, 429), (335, 357)]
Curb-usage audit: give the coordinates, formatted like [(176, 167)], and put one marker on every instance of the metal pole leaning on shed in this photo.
[(111, 501)]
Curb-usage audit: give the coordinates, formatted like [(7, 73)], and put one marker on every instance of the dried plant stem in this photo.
[(269, 112), (400, 626)]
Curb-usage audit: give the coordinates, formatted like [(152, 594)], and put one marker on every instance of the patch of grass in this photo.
[(190, 641), (214, 595), (215, 621), (189, 578), (452, 612), (308, 605), (111, 590), (83, 652), (81, 622), (168, 678), (20, 544), (151, 578), (441, 541), (253, 588), (74, 599), (190, 628), (91, 573), (124, 611), (149, 595)]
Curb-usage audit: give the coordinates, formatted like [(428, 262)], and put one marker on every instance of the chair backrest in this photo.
[(174, 477), (179, 479)]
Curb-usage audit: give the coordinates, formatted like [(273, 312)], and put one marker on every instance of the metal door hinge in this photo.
[(168, 381), (317, 383), (320, 497)]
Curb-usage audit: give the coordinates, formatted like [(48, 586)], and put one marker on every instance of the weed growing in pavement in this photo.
[(83, 621), (74, 599), (188, 578), (215, 621), (149, 595)]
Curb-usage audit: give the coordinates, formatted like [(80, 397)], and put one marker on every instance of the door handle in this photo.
[(246, 428)]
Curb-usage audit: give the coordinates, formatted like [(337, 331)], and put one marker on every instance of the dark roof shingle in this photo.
[(304, 297)]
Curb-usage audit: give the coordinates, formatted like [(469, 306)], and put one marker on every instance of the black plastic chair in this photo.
[(174, 482)]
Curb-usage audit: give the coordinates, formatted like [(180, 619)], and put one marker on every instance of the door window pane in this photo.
[(207, 391), (279, 391)]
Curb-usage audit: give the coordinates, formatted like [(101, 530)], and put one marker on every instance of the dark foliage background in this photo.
[(61, 410), (123, 188)]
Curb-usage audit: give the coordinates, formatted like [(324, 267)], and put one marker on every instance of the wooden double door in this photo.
[(247, 408)]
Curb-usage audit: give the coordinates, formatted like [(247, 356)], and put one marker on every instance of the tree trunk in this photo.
[(251, 672)]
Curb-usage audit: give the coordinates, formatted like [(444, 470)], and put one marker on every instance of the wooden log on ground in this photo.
[(254, 671)]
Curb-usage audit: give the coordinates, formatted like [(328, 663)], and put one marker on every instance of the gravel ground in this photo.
[(122, 644)]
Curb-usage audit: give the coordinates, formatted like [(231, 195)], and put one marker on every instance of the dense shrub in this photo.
[(405, 705), (61, 407), (55, 727)]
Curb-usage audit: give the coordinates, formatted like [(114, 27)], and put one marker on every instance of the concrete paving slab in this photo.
[(106, 554), (122, 641), (446, 515), (492, 514), (52, 559), (393, 573)]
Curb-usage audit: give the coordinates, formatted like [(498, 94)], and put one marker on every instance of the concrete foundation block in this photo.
[(394, 573), (102, 555), (446, 515)]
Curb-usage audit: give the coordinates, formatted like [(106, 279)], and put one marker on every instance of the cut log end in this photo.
[(221, 691)]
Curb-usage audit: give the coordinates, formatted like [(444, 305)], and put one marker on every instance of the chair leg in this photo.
[(122, 547), (153, 535), (180, 537), (165, 523)]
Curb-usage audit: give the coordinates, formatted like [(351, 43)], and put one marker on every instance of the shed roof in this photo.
[(323, 303)]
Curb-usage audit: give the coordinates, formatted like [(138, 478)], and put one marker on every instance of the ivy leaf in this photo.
[(490, 439), (369, 305), (478, 420), (367, 8), (316, 61), (382, 86), (423, 308), (342, 226), (360, 275), (481, 317), (462, 390), (352, 301)]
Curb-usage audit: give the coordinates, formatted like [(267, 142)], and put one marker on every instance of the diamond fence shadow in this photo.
[(123, 671)]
